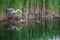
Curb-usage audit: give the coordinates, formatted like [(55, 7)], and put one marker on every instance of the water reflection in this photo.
[(12, 27), (34, 31)]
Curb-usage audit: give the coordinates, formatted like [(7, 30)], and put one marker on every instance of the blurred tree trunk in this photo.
[(59, 7), (46, 7), (24, 9), (41, 8)]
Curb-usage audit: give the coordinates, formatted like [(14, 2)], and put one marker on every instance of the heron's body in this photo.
[(9, 19)]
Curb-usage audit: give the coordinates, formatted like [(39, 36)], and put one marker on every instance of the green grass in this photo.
[(53, 4)]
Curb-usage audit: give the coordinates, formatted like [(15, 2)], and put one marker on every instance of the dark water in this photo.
[(42, 30)]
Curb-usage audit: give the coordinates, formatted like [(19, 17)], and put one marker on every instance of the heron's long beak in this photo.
[(18, 10)]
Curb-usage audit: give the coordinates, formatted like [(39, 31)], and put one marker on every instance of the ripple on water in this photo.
[(54, 38)]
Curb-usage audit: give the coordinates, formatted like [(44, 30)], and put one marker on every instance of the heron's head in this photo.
[(10, 11)]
